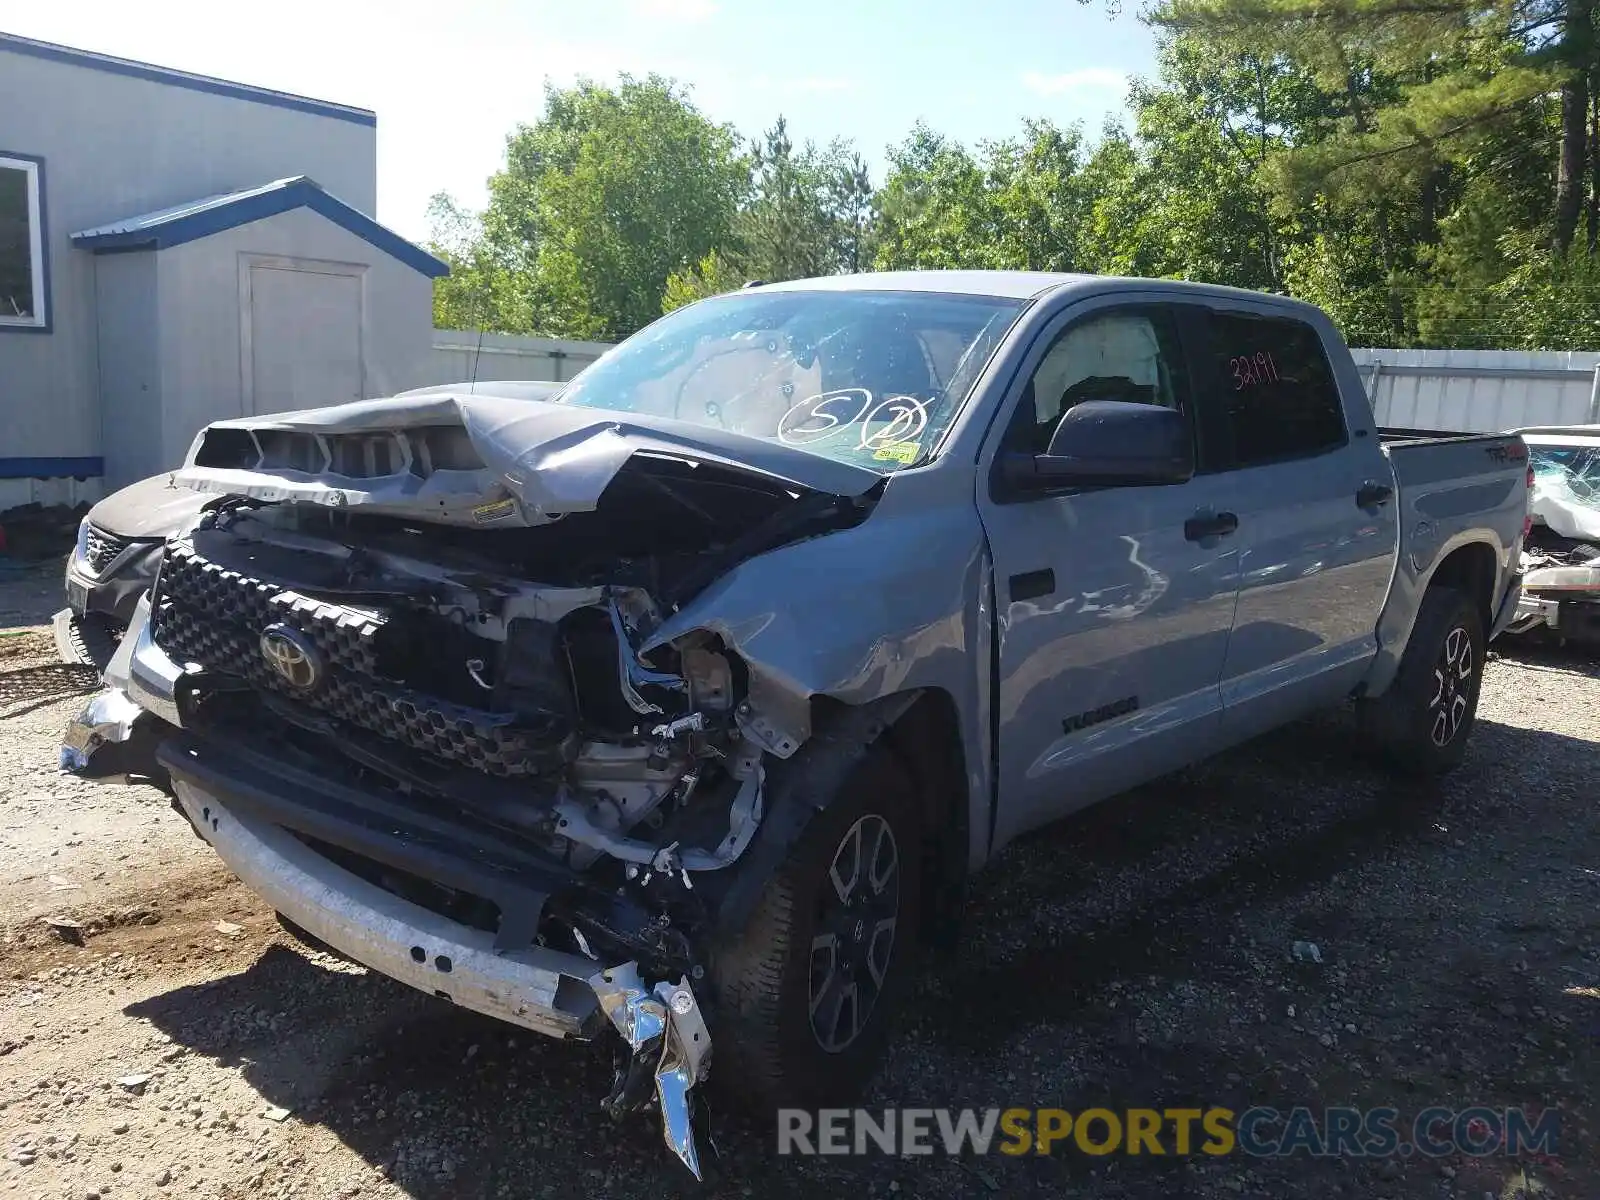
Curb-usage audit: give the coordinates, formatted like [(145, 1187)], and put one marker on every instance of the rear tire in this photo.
[(808, 987), (1422, 723)]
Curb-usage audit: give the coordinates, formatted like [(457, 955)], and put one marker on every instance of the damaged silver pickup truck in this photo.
[(684, 703)]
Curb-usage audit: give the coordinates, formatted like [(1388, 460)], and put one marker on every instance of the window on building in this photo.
[(21, 245), (1278, 389)]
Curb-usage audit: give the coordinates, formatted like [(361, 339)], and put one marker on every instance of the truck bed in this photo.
[(1451, 487)]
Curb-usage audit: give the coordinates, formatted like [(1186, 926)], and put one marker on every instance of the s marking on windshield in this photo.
[(891, 424), (818, 418)]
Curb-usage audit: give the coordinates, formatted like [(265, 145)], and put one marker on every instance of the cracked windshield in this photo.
[(872, 378), (1573, 470)]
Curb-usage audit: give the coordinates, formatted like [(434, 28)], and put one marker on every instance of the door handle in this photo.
[(1030, 585), (1210, 525), (1373, 495)]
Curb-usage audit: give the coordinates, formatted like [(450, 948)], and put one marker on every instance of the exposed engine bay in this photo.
[(454, 682), (422, 656), (1560, 588)]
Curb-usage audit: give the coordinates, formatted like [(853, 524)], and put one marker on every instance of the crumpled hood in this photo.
[(529, 459), (153, 508)]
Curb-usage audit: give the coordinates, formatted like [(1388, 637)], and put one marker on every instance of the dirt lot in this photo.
[(1137, 956)]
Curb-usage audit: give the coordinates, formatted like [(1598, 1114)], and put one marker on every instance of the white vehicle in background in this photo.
[(1561, 556)]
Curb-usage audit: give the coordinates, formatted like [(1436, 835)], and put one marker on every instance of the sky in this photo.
[(450, 80)]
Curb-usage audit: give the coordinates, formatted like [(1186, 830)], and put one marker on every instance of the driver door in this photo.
[(1113, 604)]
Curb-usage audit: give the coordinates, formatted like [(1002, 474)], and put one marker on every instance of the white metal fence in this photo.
[(460, 355), (1481, 391)]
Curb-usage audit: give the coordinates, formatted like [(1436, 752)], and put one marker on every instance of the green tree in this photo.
[(1417, 167), (600, 201), (848, 199), (1039, 197), (711, 276), (1018, 204), (1426, 172), (933, 209), (1416, 85), (482, 291), (786, 231), (807, 212), (1180, 199)]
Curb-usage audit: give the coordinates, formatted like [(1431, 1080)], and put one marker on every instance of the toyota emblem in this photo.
[(292, 655)]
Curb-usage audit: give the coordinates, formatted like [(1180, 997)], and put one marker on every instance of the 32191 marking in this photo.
[(1249, 370)]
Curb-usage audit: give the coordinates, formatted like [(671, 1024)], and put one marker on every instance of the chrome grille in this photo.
[(101, 547)]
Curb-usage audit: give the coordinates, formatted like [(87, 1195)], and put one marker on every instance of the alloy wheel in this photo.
[(856, 915), (1452, 687)]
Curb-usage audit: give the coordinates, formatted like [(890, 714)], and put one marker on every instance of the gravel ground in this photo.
[(1138, 955)]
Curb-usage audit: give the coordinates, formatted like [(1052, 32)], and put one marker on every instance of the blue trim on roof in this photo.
[(184, 79), (52, 468), (44, 243), (202, 218)]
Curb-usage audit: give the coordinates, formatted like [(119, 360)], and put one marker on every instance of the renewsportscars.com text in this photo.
[(1259, 1131)]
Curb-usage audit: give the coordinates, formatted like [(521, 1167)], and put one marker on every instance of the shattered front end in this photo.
[(1560, 588), (475, 783), (1561, 556)]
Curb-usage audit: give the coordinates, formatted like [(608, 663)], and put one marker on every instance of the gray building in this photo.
[(175, 249)]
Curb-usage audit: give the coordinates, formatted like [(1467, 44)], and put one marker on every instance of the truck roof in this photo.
[(1018, 285)]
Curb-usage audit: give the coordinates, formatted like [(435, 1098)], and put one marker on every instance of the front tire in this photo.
[(809, 985), (1422, 723)]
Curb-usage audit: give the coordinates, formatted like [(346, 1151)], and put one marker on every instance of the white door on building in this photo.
[(302, 335)]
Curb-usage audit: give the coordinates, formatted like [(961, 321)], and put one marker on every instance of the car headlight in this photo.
[(81, 552)]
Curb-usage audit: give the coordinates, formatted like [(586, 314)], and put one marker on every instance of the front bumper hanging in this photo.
[(539, 989), (259, 829), (666, 1032)]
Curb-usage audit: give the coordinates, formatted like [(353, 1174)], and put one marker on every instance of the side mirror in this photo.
[(1108, 443)]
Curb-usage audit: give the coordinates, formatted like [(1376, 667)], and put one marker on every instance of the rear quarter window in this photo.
[(1273, 380)]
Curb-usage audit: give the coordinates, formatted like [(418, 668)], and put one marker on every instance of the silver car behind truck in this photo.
[(686, 704), (119, 546)]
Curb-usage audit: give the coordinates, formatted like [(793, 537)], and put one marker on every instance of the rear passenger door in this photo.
[(1317, 525)]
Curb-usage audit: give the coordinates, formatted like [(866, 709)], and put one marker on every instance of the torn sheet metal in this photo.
[(744, 816), (1549, 575), (664, 1029), (107, 718), (145, 672), (111, 738), (537, 460)]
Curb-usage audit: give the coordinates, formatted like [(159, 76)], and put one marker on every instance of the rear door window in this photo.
[(1275, 385)]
